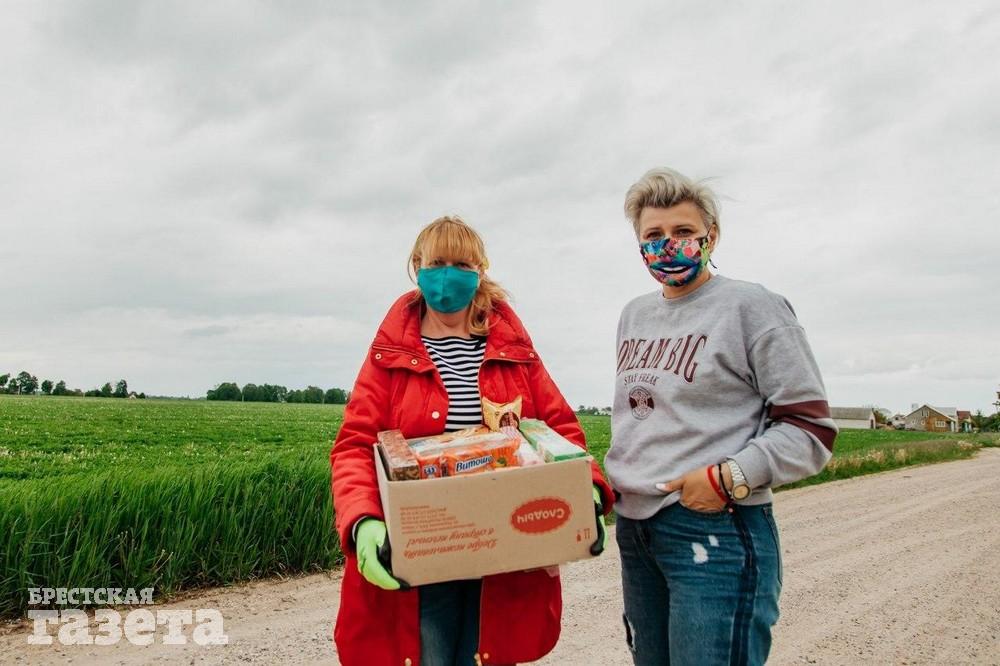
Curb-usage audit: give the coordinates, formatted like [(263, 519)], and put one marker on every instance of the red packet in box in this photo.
[(401, 463)]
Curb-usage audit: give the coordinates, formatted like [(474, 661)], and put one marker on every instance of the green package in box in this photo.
[(550, 445)]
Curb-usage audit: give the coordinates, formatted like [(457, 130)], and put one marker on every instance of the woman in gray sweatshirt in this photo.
[(717, 400)]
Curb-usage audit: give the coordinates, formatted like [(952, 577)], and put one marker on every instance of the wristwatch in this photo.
[(741, 489)]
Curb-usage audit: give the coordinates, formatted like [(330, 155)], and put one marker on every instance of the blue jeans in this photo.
[(700, 588), (449, 623)]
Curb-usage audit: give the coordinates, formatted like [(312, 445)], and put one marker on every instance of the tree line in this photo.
[(25, 383), (986, 423), (274, 393)]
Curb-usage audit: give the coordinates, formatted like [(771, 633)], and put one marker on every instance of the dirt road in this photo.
[(897, 568)]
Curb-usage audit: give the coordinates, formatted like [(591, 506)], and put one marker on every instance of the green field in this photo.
[(168, 494), (176, 494)]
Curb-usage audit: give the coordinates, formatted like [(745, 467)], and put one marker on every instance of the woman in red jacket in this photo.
[(439, 350)]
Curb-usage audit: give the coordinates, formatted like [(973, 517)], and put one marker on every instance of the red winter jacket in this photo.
[(399, 387)]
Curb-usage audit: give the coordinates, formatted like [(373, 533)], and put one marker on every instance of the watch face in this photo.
[(741, 492)]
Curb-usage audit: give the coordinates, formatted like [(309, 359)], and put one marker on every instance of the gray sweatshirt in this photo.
[(722, 372)]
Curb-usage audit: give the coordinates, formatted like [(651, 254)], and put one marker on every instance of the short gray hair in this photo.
[(663, 188)]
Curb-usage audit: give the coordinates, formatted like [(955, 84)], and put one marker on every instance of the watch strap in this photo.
[(739, 479)]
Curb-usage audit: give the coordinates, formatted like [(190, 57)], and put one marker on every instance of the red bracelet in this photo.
[(715, 485)]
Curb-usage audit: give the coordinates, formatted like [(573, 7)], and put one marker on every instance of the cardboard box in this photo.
[(472, 526)]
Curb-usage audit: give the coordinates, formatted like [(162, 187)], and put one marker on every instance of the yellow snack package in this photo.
[(497, 416)]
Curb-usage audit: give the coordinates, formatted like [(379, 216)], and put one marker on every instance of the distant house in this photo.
[(932, 419), (964, 421), (853, 418)]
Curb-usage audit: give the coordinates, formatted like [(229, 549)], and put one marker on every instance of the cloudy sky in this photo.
[(200, 192)]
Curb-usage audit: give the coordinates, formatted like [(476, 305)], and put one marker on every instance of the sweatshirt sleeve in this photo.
[(798, 439)]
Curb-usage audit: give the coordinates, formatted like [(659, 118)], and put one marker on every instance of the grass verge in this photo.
[(889, 457), (165, 528)]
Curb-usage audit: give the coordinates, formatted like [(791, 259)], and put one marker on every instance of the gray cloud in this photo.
[(207, 331), (195, 193)]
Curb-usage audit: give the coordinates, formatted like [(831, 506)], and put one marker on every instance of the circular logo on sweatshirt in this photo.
[(641, 402)]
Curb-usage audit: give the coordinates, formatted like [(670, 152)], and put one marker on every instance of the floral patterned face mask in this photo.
[(675, 262)]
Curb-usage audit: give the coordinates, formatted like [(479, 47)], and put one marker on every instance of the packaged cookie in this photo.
[(430, 466), (479, 454), (466, 460), (401, 463)]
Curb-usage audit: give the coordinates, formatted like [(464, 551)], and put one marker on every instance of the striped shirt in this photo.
[(458, 360)]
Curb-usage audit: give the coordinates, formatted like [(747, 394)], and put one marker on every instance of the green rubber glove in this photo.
[(370, 537), (602, 529)]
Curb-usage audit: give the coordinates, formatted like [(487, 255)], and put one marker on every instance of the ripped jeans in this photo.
[(700, 588)]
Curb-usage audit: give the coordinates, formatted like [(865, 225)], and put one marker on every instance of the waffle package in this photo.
[(549, 444), (504, 441), (473, 450)]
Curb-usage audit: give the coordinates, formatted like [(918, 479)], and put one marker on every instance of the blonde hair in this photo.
[(663, 188), (449, 238)]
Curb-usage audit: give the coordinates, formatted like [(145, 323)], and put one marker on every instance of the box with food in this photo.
[(497, 520), (551, 446)]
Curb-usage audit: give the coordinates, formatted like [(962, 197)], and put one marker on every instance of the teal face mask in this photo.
[(447, 288)]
